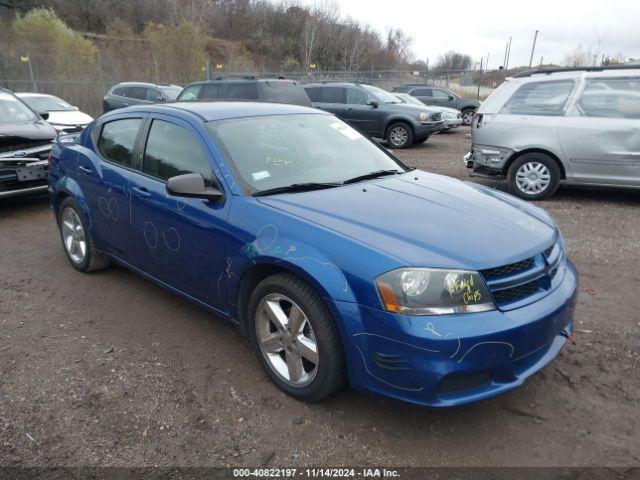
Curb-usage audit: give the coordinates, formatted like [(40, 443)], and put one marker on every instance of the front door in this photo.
[(360, 114), (601, 138), (179, 241)]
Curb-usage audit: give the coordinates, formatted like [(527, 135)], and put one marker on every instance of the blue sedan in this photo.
[(339, 263)]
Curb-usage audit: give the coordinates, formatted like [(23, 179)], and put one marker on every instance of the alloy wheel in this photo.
[(467, 117), (287, 340), (398, 136), (73, 235), (533, 178)]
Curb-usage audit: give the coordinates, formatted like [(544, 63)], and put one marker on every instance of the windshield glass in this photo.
[(171, 92), (277, 151), (47, 103), (382, 95), (406, 98), (13, 110)]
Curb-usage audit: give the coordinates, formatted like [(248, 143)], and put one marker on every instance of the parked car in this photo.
[(25, 143), (451, 118), (338, 262), (134, 93), (577, 126), (376, 112), (274, 90), (64, 117), (442, 97)]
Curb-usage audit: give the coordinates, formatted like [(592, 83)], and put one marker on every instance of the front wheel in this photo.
[(467, 116), (399, 135), (295, 338), (534, 176)]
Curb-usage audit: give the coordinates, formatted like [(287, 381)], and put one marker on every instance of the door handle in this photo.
[(141, 192), (349, 109), (84, 169)]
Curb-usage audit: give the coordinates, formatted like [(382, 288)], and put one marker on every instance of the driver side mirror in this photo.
[(192, 185), (373, 103), (44, 115), (451, 97)]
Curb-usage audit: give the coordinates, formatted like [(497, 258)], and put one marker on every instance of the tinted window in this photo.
[(333, 95), (122, 91), (284, 91), (441, 94), (212, 91), (612, 98), (421, 92), (139, 93), (356, 97), (171, 150), (171, 92), (314, 93), (242, 91), (117, 140), (153, 95), (539, 98), (190, 93)]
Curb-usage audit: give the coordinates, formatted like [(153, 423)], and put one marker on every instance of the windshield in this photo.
[(406, 98), (47, 103), (13, 110), (382, 95), (277, 151), (171, 92)]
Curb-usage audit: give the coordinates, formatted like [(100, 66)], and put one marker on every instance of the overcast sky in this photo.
[(482, 27)]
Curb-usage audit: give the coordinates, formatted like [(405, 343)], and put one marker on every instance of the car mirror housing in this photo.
[(373, 103), (192, 185)]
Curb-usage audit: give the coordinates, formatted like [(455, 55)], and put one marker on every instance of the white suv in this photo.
[(577, 126)]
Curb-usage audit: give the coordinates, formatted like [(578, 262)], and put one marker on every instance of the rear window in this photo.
[(212, 91), (313, 93), (139, 93), (611, 98), (539, 98), (117, 140), (122, 91), (190, 93), (283, 91), (242, 91), (334, 95)]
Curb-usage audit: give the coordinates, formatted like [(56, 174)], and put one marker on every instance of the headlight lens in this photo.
[(422, 117), (433, 291)]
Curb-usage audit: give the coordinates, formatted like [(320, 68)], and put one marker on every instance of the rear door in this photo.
[(601, 136), (179, 241), (441, 98), (423, 94), (334, 100)]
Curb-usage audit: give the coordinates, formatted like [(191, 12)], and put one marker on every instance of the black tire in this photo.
[(534, 159), (331, 374), (393, 135), (93, 259), (467, 116)]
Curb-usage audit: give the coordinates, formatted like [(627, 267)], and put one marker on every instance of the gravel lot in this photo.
[(109, 369)]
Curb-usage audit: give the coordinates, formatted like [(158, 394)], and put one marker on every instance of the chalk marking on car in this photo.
[(177, 235), (152, 245), (483, 343), (397, 341), (432, 329)]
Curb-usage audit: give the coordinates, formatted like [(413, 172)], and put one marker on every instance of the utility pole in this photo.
[(27, 58), (480, 79), (506, 64), (533, 47), (504, 61)]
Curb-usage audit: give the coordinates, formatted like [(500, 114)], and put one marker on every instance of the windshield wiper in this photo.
[(296, 187), (370, 175)]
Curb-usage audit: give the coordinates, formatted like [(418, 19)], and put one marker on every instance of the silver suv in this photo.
[(544, 127)]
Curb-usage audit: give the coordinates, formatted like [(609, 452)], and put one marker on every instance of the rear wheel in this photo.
[(534, 176), (295, 338), (399, 135), (77, 242)]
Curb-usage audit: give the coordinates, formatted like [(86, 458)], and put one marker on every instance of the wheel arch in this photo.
[(553, 156), (399, 119)]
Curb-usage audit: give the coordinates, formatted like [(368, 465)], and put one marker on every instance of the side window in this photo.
[(121, 91), (356, 97), (421, 92), (211, 91), (611, 98), (153, 95), (190, 93), (242, 91), (171, 150), (539, 98), (139, 93), (440, 94), (313, 93), (117, 140), (334, 95)]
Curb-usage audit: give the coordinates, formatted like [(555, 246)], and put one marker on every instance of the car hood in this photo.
[(409, 108), (22, 134), (72, 117), (423, 219)]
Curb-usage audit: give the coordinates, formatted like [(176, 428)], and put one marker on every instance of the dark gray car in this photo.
[(135, 93), (376, 112), (442, 97)]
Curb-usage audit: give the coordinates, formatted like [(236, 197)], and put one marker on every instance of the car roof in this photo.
[(617, 70), (241, 79), (212, 111), (334, 84), (33, 94), (145, 84)]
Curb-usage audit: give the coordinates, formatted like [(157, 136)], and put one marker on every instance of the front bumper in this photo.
[(449, 123), (450, 360), (425, 129), (24, 172)]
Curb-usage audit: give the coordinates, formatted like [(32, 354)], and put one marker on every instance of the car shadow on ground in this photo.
[(21, 204)]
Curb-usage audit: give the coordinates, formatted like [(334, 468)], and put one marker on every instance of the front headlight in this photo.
[(422, 117), (433, 291)]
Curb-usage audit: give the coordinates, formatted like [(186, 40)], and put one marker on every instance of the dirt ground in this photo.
[(110, 369)]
